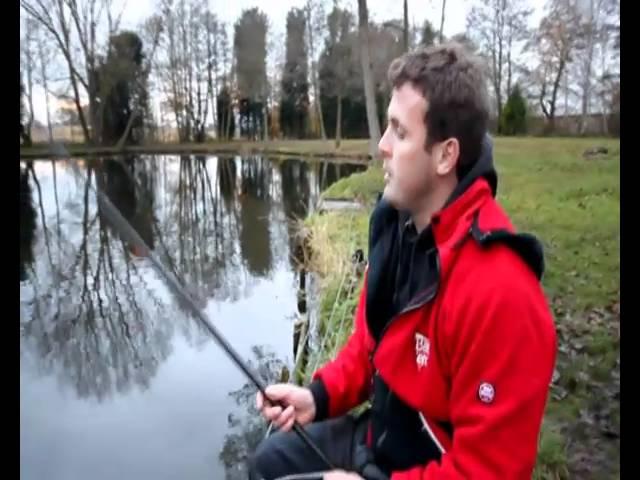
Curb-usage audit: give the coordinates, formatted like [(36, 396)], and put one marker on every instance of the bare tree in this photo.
[(367, 78), (498, 27), (27, 64), (52, 15), (566, 95), (45, 57), (151, 30), (227, 58), (517, 30), (592, 37), (486, 25), (202, 65), (555, 43), (608, 79), (169, 68), (314, 13), (586, 43), (75, 26), (211, 29), (441, 35), (405, 30), (186, 63)]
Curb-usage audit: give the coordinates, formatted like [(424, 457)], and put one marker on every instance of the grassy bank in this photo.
[(349, 149), (572, 204)]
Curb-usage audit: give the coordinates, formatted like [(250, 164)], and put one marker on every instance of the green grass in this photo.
[(552, 456), (573, 206), (364, 186)]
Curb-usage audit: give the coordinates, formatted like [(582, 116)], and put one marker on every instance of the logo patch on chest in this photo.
[(423, 347)]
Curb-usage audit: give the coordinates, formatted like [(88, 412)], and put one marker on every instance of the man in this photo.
[(454, 343)]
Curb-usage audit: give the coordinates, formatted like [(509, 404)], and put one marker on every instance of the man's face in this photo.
[(410, 171)]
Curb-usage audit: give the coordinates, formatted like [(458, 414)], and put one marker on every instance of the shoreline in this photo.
[(354, 151)]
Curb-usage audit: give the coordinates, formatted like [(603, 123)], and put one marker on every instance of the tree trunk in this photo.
[(78, 104), (178, 109), (509, 60), (554, 96), (604, 107), (405, 31), (199, 123), (556, 87), (45, 85), (189, 84), (96, 109), (314, 72), (587, 66), (605, 123), (494, 67), (123, 139), (316, 94), (229, 107), (339, 122), (210, 65), (542, 97), (30, 100), (566, 95), (73, 74), (441, 36), (265, 121), (499, 72), (509, 71), (367, 77), (29, 81), (49, 126)]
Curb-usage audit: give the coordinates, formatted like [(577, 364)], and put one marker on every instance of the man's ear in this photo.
[(450, 154)]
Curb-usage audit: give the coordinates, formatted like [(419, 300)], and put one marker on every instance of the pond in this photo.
[(116, 381)]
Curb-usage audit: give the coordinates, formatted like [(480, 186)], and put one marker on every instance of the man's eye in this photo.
[(400, 133)]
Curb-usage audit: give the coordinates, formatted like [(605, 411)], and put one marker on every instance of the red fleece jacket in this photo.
[(490, 356)]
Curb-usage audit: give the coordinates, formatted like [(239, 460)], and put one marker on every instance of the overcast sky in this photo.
[(135, 11)]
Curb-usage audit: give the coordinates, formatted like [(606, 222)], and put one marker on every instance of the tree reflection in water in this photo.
[(248, 428), (94, 321), (27, 223), (255, 201), (95, 316), (114, 327)]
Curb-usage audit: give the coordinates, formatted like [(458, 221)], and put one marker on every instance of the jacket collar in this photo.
[(453, 222)]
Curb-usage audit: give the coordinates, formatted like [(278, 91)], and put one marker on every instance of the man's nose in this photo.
[(384, 146)]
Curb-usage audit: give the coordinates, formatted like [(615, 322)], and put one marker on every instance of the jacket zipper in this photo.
[(409, 308), (427, 428)]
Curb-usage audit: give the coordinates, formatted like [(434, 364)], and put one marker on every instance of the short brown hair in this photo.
[(453, 83)]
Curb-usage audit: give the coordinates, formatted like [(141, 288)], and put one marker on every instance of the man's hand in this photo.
[(341, 475), (300, 405)]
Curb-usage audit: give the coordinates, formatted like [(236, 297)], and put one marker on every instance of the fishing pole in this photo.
[(125, 229)]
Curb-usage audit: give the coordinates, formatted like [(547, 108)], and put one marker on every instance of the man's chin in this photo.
[(395, 198), (389, 197)]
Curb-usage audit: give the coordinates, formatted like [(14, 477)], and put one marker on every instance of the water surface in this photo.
[(116, 382)]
